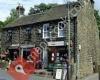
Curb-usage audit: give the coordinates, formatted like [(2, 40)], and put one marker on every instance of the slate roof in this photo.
[(52, 14)]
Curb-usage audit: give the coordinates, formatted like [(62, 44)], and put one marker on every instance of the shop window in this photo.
[(61, 31), (46, 30)]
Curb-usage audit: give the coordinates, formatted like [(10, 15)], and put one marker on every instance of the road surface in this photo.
[(92, 77), (4, 75)]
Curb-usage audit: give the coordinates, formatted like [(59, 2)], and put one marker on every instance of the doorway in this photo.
[(13, 53), (59, 52)]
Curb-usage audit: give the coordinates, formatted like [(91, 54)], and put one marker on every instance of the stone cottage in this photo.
[(48, 31), (0, 41)]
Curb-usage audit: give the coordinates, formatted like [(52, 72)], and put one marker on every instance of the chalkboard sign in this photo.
[(58, 73)]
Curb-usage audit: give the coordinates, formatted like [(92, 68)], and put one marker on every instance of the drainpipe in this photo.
[(78, 61), (69, 52)]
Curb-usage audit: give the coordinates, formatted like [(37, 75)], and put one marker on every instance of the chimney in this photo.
[(20, 10)]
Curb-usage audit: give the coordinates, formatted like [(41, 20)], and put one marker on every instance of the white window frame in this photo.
[(44, 26), (60, 29)]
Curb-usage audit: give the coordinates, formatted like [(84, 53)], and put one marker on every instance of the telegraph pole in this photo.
[(68, 75), (19, 31), (69, 52), (18, 12)]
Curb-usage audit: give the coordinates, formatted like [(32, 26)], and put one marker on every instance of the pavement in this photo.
[(92, 77), (35, 77), (4, 75)]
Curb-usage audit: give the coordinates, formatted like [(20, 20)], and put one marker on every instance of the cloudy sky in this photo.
[(7, 5)]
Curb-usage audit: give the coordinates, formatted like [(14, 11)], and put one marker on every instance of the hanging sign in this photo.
[(56, 43)]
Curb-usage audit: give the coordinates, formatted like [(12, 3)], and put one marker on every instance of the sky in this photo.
[(7, 5)]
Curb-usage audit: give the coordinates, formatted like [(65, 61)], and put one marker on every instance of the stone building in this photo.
[(48, 31), (0, 41)]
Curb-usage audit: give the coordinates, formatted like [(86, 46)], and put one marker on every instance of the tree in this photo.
[(1, 24), (33, 11), (97, 16), (12, 17), (96, 13), (41, 8)]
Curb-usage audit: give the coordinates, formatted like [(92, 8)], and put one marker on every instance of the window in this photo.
[(61, 32), (28, 34), (46, 29), (9, 35)]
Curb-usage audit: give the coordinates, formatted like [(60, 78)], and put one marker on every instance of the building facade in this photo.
[(0, 41), (49, 33)]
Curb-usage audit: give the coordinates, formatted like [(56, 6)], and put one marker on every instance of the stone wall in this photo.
[(0, 39), (36, 36), (88, 38)]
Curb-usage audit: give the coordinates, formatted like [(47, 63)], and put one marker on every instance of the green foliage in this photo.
[(33, 11), (96, 13), (3, 64), (1, 24), (12, 17), (41, 8)]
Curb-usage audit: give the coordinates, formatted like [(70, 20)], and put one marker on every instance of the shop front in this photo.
[(57, 55), (58, 59), (15, 51)]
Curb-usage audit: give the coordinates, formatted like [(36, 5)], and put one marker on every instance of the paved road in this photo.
[(5, 76), (34, 77), (92, 77)]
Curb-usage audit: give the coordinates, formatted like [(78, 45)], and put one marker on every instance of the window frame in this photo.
[(61, 29), (47, 31), (29, 33), (9, 35)]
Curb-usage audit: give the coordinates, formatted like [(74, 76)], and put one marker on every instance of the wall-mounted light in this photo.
[(39, 30), (67, 43), (79, 46)]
